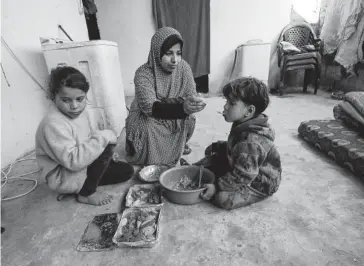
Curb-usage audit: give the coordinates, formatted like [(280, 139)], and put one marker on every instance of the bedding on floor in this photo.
[(348, 114), (338, 141), (351, 111)]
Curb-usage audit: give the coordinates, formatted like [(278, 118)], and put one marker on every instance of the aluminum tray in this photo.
[(130, 202), (142, 243)]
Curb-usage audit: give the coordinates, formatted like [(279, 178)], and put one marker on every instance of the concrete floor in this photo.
[(316, 217)]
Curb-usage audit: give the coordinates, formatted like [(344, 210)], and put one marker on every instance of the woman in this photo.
[(160, 121)]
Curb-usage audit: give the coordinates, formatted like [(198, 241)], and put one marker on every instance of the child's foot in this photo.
[(97, 198)]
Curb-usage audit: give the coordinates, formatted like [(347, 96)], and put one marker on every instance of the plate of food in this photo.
[(138, 227), (146, 195), (99, 233), (151, 173)]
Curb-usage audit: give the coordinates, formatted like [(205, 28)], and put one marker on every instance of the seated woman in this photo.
[(160, 121)]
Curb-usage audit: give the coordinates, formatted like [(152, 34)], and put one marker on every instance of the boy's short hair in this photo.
[(250, 91), (66, 76)]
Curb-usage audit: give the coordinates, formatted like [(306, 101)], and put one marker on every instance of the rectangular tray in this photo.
[(142, 243), (99, 233), (129, 202)]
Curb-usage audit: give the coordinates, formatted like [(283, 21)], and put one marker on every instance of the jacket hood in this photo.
[(258, 125)]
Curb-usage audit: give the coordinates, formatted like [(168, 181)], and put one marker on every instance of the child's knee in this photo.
[(126, 169)]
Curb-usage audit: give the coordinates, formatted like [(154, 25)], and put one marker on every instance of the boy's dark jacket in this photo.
[(253, 158)]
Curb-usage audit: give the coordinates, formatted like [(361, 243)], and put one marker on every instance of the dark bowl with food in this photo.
[(180, 184)]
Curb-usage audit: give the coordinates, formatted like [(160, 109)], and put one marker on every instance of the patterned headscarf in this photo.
[(149, 138), (168, 85)]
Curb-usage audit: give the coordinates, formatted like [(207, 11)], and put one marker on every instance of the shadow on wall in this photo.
[(24, 102), (12, 64), (43, 75), (274, 70), (219, 84), (38, 74)]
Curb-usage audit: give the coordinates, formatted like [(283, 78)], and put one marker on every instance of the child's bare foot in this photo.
[(97, 198)]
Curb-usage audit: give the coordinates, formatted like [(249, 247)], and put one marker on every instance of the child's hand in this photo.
[(109, 135), (209, 192)]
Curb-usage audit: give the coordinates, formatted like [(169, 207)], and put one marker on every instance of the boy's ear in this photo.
[(251, 109)]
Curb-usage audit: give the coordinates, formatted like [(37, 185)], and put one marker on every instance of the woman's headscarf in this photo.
[(166, 87), (169, 85)]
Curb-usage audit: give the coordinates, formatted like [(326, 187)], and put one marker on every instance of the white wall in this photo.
[(234, 22), (308, 9), (130, 24), (23, 103)]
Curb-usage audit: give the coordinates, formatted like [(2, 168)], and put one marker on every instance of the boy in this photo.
[(248, 165)]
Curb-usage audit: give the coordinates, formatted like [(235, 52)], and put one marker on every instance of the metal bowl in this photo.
[(171, 177), (151, 173)]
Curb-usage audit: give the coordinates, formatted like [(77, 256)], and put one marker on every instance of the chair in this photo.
[(300, 34)]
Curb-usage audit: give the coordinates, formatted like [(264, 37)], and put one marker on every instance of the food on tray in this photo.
[(144, 195), (139, 225), (186, 183), (99, 232)]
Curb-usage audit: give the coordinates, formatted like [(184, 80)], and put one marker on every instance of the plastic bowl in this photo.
[(151, 173), (171, 177)]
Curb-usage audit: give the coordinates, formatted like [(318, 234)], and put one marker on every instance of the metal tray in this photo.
[(99, 233), (151, 173), (142, 243), (131, 202)]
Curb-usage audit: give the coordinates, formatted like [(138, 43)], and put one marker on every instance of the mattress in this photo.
[(335, 139)]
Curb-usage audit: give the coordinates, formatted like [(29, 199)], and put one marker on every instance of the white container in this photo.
[(252, 59), (99, 62)]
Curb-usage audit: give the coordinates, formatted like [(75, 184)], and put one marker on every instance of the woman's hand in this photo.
[(209, 192), (193, 105)]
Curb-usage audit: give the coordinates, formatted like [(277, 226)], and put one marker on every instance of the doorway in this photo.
[(192, 19), (90, 11)]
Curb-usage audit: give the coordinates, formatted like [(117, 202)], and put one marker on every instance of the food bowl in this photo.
[(170, 179), (151, 173)]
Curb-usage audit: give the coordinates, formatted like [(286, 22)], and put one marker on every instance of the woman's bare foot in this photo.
[(97, 198)]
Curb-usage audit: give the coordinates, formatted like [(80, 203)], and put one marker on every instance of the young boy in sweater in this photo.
[(248, 165), (73, 158)]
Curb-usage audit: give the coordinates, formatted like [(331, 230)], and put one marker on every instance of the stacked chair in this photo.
[(303, 37)]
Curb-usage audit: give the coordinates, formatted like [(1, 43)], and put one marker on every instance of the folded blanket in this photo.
[(347, 113), (356, 99), (289, 48)]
